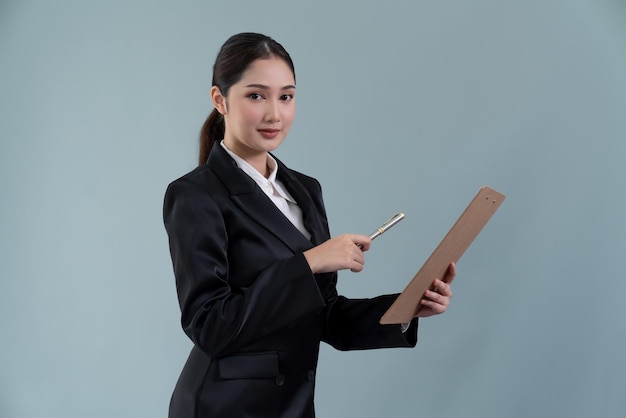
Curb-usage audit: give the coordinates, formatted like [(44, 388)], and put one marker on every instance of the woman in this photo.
[(256, 269)]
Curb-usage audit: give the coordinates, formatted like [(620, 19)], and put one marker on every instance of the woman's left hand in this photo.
[(437, 299)]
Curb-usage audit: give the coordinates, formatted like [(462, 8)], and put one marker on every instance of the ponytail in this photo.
[(212, 131)]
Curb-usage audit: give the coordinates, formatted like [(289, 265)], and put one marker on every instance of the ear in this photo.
[(219, 101)]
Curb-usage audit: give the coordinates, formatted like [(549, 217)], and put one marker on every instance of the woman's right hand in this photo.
[(339, 253)]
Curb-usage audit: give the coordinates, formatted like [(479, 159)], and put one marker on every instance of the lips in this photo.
[(269, 133)]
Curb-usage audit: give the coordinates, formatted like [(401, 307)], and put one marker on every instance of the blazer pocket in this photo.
[(249, 366)]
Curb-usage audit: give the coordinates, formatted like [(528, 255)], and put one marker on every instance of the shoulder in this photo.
[(218, 174), (194, 200), (201, 178), (199, 189)]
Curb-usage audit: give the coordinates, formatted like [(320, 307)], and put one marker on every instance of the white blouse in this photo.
[(274, 189)]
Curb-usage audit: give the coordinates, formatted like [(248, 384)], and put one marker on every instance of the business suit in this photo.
[(249, 301)]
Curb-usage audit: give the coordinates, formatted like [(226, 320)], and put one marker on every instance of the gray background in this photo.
[(402, 106)]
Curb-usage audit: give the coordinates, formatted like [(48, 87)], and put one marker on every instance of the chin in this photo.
[(271, 144)]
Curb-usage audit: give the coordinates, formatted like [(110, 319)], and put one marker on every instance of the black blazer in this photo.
[(249, 301)]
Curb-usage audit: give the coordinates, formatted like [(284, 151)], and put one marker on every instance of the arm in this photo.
[(353, 324), (217, 316)]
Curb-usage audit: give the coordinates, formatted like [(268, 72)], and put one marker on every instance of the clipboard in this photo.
[(451, 248)]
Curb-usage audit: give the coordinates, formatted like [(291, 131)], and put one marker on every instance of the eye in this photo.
[(286, 97), (255, 96)]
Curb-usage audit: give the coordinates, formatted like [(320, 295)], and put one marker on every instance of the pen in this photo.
[(384, 227)]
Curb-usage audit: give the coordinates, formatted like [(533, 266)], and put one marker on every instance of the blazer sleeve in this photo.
[(218, 318), (353, 324)]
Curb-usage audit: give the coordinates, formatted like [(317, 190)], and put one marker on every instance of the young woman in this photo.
[(256, 269)]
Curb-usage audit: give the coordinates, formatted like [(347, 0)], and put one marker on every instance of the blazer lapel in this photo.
[(245, 193), (313, 220)]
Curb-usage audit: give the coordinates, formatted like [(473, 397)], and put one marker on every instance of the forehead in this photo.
[(271, 72)]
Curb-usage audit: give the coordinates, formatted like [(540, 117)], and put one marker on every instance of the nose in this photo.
[(272, 112)]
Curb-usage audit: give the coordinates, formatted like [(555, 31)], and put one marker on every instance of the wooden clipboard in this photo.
[(451, 248)]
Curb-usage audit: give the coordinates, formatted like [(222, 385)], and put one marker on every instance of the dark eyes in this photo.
[(259, 96)]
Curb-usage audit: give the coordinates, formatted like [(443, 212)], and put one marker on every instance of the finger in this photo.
[(431, 308), (436, 298), (450, 273), (361, 241), (442, 288), (356, 266), (357, 260), (359, 257)]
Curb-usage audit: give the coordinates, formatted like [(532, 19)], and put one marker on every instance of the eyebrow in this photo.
[(264, 87)]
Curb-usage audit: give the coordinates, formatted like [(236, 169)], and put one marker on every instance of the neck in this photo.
[(260, 164), (258, 160)]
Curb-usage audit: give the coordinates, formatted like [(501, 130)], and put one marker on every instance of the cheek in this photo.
[(252, 115), (289, 114)]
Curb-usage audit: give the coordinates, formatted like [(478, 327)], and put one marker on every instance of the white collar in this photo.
[(258, 178)]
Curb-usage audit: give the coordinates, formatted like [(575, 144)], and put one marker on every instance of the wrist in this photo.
[(309, 256)]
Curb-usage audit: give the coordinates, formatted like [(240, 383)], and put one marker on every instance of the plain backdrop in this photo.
[(402, 106)]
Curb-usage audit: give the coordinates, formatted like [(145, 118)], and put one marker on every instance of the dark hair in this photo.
[(234, 58)]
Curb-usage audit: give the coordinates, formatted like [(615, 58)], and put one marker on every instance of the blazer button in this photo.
[(280, 380), (310, 375)]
